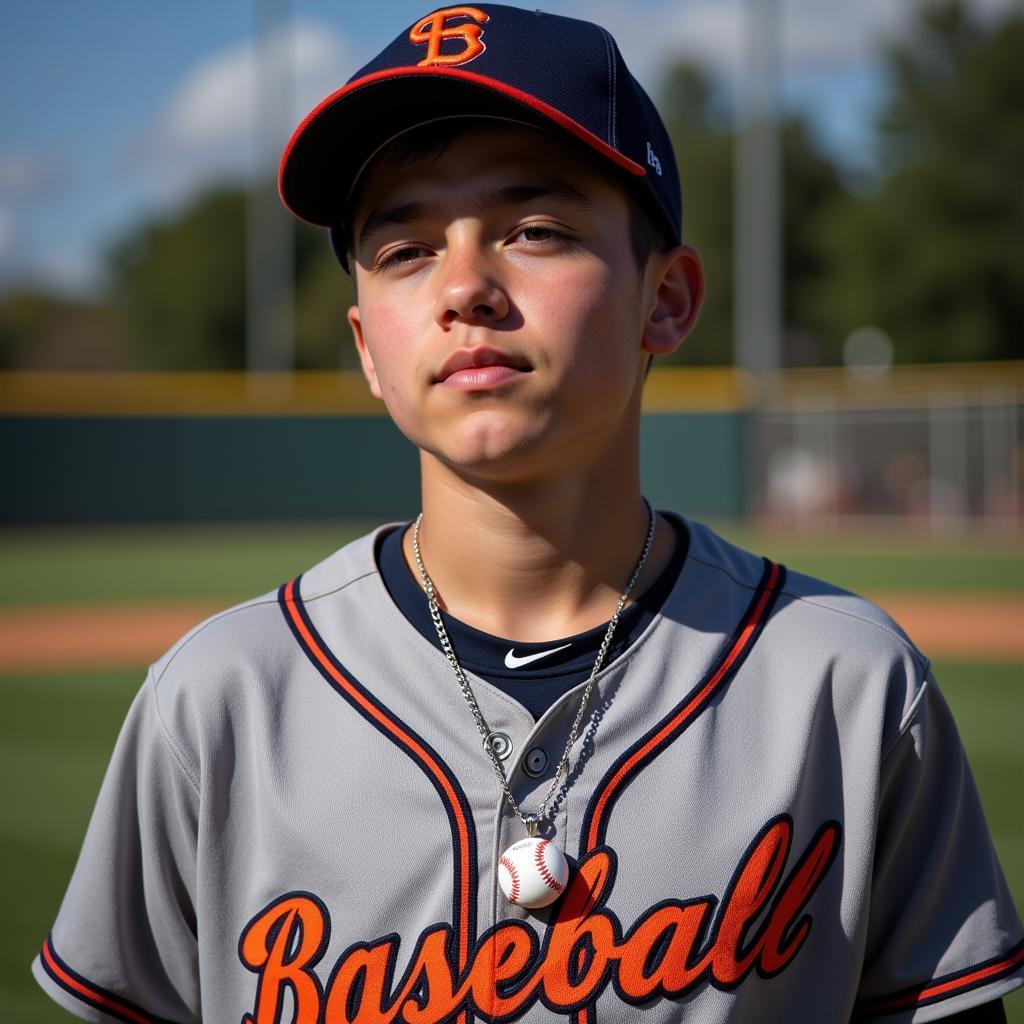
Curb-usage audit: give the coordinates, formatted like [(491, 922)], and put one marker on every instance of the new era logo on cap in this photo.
[(559, 73), (652, 159)]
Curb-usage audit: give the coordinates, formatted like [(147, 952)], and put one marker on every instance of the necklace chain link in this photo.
[(531, 821)]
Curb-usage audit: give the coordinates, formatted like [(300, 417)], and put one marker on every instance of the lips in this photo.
[(464, 363)]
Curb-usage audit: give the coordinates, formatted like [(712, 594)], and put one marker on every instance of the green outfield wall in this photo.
[(696, 463), (118, 469), (129, 468), (165, 447)]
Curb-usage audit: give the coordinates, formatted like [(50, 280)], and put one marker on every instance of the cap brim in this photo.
[(333, 144)]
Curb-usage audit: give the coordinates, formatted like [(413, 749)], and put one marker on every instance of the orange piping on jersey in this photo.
[(680, 719), (942, 988), (408, 741), (88, 994)]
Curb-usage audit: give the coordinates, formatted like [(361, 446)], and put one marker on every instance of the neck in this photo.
[(534, 563)]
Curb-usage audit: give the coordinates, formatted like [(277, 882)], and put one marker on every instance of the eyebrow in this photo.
[(552, 189)]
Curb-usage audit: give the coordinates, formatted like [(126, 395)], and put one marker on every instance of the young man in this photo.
[(542, 753)]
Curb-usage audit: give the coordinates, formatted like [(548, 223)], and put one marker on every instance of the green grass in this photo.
[(57, 565), (56, 733), (891, 562), (987, 700), (231, 561)]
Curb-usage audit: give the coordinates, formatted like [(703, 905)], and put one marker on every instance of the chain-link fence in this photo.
[(938, 446)]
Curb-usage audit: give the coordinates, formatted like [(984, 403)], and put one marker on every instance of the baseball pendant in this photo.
[(533, 873)]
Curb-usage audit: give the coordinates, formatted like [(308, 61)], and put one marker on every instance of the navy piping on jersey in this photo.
[(944, 987), (669, 727), (664, 732), (92, 994), (556, 671), (382, 718)]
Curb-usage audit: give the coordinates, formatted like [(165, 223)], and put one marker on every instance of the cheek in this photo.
[(588, 314), (391, 341)]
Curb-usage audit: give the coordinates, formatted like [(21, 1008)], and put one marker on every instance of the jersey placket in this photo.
[(529, 787)]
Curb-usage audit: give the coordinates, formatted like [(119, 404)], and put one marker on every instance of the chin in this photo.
[(498, 457), (493, 463), (490, 437)]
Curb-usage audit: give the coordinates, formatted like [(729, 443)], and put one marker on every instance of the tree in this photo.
[(180, 286), (180, 290), (699, 124), (323, 293), (44, 331), (811, 190), (934, 256), (693, 113)]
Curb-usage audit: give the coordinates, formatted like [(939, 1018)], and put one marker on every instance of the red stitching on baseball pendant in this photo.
[(513, 896), (538, 859)]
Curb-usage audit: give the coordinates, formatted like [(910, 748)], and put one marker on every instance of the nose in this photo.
[(469, 291)]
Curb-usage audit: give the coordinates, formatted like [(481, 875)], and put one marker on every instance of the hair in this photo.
[(429, 141)]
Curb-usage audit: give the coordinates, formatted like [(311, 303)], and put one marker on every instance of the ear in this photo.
[(365, 359), (675, 291)]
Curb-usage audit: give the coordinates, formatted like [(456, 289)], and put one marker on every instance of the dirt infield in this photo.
[(93, 636), (982, 626)]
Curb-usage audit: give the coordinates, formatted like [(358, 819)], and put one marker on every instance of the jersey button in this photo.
[(536, 761), (501, 744)]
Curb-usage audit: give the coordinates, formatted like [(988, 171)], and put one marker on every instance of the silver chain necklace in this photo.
[(518, 886)]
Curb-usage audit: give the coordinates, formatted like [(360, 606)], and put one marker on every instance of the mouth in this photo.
[(480, 369)]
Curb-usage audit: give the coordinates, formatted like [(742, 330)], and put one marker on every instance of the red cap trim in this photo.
[(550, 112)]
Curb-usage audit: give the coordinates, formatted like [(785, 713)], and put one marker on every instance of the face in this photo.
[(501, 316)]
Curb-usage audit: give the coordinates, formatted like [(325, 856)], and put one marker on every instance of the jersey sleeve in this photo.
[(943, 933), (123, 947)]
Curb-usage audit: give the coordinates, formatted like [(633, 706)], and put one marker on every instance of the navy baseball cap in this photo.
[(556, 73)]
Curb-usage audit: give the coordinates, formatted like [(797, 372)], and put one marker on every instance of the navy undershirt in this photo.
[(538, 684)]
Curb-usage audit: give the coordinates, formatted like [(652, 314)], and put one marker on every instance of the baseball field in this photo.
[(84, 610)]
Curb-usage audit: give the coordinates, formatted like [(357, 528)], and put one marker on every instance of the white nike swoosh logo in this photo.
[(512, 660)]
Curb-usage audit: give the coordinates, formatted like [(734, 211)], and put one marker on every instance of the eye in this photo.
[(538, 233), (400, 256)]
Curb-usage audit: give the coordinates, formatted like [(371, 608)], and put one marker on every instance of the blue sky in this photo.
[(116, 112)]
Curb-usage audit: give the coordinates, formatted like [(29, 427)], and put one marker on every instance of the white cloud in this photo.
[(70, 269), (239, 106), (814, 33), (825, 35), (26, 175)]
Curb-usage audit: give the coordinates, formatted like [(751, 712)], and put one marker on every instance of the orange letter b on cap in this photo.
[(433, 29)]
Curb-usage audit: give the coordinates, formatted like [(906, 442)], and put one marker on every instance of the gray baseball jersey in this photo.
[(769, 813)]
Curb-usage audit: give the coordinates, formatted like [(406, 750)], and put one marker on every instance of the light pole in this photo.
[(757, 211), (270, 236)]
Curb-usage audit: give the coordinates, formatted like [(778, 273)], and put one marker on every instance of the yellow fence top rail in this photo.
[(907, 387), (306, 393), (186, 394), (344, 393)]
